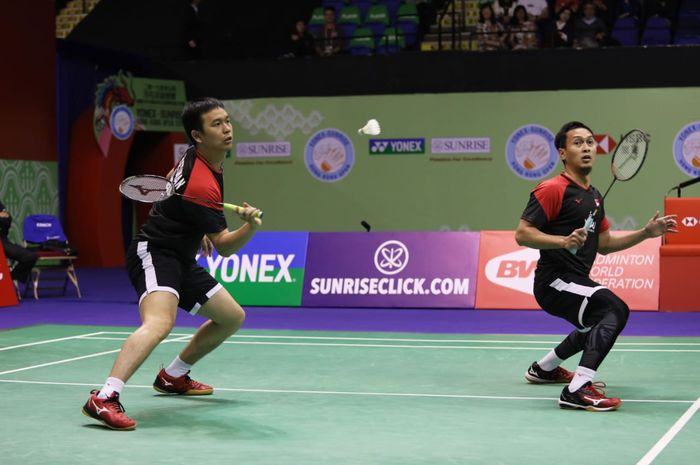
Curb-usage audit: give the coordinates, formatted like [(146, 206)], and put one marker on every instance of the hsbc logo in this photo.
[(690, 221), (514, 270), (391, 257)]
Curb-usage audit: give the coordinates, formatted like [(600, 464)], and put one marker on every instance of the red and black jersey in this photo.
[(557, 206), (178, 223)]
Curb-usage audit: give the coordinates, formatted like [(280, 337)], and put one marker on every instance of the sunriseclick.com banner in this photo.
[(403, 269), (269, 270)]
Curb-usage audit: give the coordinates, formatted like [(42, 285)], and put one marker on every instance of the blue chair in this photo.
[(363, 5), (43, 234), (626, 31), (657, 31), (362, 42)]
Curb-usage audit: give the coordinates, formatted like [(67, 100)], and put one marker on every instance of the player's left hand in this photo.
[(249, 215), (661, 225)]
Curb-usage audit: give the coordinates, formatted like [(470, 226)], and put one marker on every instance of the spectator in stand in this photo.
[(535, 8), (629, 8), (590, 30), (503, 10), (561, 29), (489, 33), (665, 8), (572, 4), (24, 259), (542, 27), (328, 41), (192, 29), (604, 12), (522, 31), (301, 41)]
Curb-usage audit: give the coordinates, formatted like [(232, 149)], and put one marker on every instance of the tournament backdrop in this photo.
[(446, 161)]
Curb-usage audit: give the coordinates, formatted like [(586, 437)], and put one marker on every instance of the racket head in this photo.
[(629, 155), (146, 188)]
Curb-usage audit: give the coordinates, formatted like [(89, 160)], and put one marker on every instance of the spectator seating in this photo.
[(362, 42), (363, 5), (316, 21), (391, 42), (349, 19), (377, 19), (657, 31), (626, 31), (407, 21)]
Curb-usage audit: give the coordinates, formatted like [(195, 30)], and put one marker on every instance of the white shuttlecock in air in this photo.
[(371, 128)]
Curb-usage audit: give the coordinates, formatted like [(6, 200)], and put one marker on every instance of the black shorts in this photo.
[(578, 299), (155, 269)]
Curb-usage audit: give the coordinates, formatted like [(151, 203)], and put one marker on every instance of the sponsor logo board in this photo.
[(506, 273), (391, 270), (268, 270)]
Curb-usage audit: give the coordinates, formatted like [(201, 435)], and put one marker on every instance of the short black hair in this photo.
[(193, 111), (560, 138)]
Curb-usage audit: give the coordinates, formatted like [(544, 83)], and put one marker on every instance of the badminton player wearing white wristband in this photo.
[(162, 267), (552, 222)]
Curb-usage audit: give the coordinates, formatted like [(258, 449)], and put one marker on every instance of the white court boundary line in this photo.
[(380, 339), (49, 341), (82, 357), (395, 346), (352, 393), (670, 434)]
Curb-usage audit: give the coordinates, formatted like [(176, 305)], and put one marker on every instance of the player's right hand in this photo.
[(576, 239)]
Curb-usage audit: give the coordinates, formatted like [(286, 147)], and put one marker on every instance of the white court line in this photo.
[(353, 393), (394, 346), (48, 341), (670, 434), (490, 341), (73, 359), (58, 362)]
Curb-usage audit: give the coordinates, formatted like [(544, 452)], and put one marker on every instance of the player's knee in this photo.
[(232, 318), (622, 311), (158, 328)]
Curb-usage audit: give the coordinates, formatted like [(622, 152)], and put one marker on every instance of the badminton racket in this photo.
[(148, 188), (627, 160)]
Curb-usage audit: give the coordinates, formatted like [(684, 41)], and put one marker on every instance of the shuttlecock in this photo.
[(371, 128)]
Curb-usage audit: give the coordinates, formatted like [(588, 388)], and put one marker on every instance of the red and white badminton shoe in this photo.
[(590, 397), (108, 411), (183, 385), (537, 375)]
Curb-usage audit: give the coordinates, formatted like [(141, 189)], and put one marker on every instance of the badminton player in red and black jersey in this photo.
[(552, 222), (162, 267)]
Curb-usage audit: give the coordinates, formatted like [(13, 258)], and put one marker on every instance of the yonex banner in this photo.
[(403, 269), (269, 270), (507, 272)]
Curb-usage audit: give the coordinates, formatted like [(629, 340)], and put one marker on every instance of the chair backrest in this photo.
[(362, 42), (350, 15), (626, 31), (42, 228), (377, 14)]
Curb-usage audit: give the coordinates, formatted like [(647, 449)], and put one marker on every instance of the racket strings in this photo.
[(629, 156), (146, 188)]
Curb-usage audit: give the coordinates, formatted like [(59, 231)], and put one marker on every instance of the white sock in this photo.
[(178, 368), (111, 385), (581, 377), (550, 361)]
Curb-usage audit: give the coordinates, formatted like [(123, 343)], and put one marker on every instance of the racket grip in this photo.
[(587, 225), (257, 217)]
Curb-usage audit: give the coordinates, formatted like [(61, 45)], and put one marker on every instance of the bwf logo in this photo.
[(391, 257), (689, 221), (514, 270)]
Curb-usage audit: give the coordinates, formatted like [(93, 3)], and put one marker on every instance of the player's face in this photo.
[(580, 151), (217, 132)]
